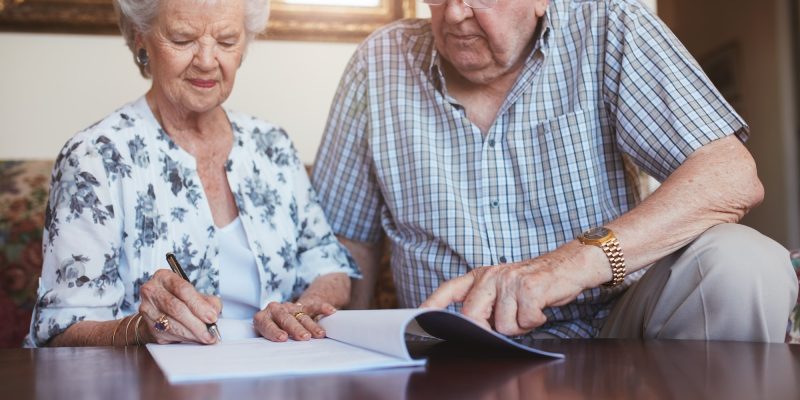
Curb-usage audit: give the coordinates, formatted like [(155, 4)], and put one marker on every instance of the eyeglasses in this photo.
[(476, 4)]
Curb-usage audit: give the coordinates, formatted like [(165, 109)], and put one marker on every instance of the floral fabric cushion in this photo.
[(23, 196)]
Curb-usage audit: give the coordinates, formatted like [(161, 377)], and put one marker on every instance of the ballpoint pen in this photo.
[(176, 268)]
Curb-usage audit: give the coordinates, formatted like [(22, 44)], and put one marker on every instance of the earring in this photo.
[(142, 58)]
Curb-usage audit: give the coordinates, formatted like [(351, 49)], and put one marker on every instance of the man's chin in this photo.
[(477, 73)]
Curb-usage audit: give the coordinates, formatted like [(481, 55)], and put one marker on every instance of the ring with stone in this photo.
[(162, 323)]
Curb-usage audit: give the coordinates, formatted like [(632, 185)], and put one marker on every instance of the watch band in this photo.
[(614, 253), (605, 239)]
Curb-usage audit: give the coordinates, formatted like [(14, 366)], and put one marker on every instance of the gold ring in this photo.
[(162, 323), (298, 314)]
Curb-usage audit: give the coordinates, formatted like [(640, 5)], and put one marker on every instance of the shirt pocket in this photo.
[(562, 165)]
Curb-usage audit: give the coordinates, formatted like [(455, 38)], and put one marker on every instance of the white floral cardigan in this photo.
[(123, 194)]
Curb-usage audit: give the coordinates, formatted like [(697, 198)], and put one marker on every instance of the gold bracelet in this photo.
[(127, 326), (116, 328), (136, 329)]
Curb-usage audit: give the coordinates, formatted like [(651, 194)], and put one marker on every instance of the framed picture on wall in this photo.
[(325, 20)]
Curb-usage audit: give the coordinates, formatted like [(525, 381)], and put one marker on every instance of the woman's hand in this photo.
[(280, 321), (167, 295)]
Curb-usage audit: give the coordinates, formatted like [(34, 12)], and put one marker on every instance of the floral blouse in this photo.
[(123, 194)]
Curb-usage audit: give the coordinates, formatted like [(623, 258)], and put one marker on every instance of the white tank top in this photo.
[(239, 284)]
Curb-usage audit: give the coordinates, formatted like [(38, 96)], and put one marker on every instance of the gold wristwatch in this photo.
[(604, 238)]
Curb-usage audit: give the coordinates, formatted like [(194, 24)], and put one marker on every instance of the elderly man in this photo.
[(488, 144)]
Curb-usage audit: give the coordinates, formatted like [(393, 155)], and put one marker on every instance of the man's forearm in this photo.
[(716, 184), (367, 256)]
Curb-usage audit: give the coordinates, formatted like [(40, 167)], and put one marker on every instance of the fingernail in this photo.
[(305, 335), (282, 336), (211, 316), (320, 333)]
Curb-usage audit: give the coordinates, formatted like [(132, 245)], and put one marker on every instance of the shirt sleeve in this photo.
[(663, 105), (318, 250), (81, 244), (343, 175)]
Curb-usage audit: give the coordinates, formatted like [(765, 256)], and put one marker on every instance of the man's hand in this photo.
[(510, 298)]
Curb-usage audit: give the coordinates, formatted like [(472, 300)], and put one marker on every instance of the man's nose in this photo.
[(456, 11)]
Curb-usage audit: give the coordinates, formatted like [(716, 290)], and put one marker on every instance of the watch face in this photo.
[(596, 233)]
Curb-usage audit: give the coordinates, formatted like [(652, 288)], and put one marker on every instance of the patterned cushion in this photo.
[(23, 197)]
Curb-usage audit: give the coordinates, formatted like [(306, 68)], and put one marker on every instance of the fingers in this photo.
[(452, 291), (529, 313), (267, 328), (310, 325), (216, 304), (187, 310), (194, 302), (175, 333), (277, 322), (505, 314), (315, 308), (480, 299), (280, 321), (499, 298)]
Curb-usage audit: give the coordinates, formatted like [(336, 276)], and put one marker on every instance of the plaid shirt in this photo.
[(399, 155)]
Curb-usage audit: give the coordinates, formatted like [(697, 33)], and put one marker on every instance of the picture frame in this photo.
[(317, 20)]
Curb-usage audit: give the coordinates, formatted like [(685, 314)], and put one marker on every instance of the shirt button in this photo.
[(503, 259), (494, 204), (491, 142)]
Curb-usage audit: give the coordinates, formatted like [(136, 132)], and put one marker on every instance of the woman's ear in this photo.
[(138, 41)]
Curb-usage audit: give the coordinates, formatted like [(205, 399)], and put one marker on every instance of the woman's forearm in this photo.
[(331, 288), (119, 332)]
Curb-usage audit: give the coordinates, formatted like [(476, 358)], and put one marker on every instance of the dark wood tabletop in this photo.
[(592, 369)]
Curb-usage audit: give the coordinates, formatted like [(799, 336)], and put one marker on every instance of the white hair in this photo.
[(136, 17)]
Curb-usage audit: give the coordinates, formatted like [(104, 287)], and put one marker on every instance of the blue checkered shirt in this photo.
[(605, 79)]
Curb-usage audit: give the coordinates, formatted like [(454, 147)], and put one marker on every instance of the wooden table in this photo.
[(596, 369)]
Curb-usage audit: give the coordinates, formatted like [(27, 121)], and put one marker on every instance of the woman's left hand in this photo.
[(280, 321)]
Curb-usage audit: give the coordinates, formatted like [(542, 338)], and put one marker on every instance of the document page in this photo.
[(356, 340), (258, 357)]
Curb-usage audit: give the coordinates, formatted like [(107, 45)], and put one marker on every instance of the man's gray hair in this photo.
[(136, 16)]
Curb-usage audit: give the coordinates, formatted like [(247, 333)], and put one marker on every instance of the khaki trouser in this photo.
[(731, 283)]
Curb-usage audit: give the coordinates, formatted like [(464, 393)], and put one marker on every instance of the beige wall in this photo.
[(55, 85), (52, 85), (766, 76)]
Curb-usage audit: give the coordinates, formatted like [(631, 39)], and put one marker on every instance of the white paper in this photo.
[(357, 340), (235, 329), (386, 332), (258, 357)]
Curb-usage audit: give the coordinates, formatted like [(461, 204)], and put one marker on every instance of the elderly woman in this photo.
[(176, 172)]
